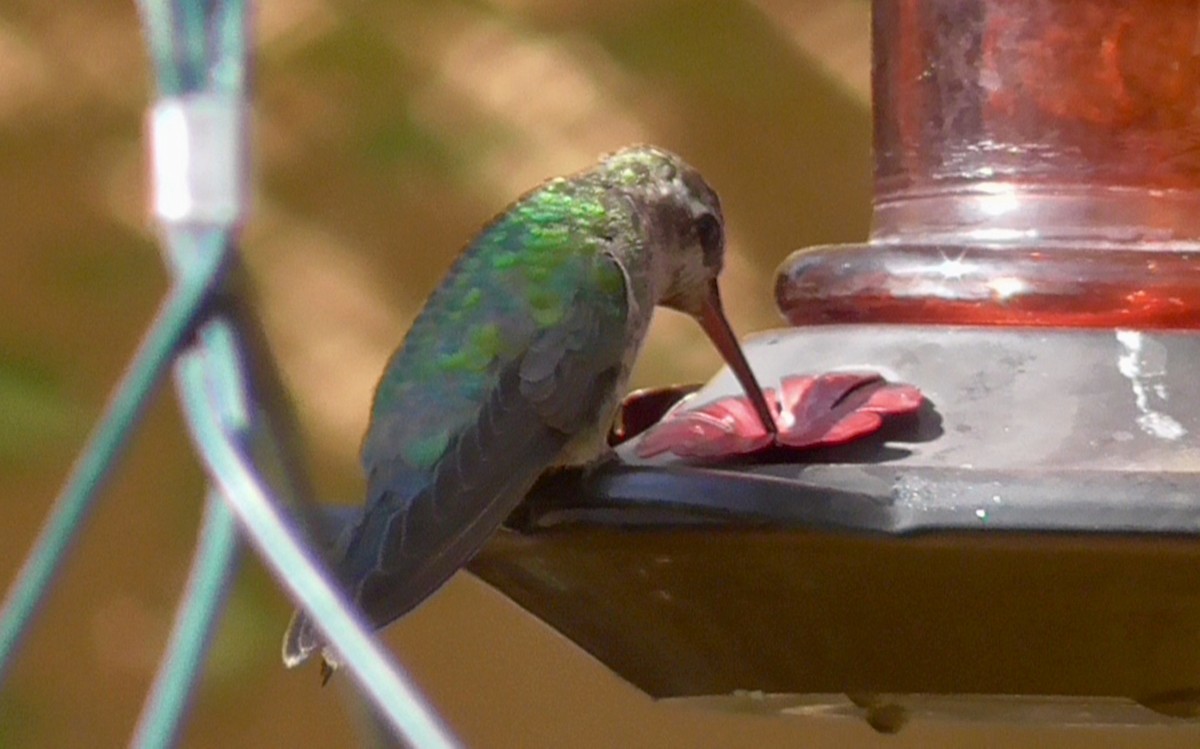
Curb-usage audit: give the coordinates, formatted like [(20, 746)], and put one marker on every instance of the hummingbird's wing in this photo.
[(540, 401), (419, 529)]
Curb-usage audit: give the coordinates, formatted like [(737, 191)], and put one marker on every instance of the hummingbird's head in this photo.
[(683, 238), (682, 220)]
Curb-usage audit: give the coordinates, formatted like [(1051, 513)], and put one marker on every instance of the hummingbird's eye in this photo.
[(711, 239)]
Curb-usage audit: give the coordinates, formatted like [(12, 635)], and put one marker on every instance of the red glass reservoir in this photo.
[(1037, 162)]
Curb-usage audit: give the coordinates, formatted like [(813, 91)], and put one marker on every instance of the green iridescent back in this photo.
[(518, 277)]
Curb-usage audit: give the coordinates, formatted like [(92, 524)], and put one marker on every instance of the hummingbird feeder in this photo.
[(1019, 539)]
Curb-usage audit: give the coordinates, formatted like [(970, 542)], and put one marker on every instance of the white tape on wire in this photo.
[(198, 159)]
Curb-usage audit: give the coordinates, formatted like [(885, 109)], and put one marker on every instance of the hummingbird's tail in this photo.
[(300, 640), (301, 637)]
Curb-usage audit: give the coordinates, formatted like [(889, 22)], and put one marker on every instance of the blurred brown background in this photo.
[(386, 133)]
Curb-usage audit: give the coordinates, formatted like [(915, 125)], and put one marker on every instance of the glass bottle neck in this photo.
[(1043, 215)]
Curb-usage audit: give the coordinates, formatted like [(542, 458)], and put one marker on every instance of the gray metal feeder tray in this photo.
[(1026, 548)]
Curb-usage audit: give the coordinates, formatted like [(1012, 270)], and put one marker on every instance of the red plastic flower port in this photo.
[(813, 411)]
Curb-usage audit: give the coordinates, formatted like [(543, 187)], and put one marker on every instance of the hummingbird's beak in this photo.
[(712, 319)]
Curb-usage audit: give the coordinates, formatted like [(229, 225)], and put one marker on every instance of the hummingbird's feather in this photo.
[(516, 281), (509, 403)]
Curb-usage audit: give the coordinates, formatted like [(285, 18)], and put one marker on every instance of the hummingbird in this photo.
[(515, 366)]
